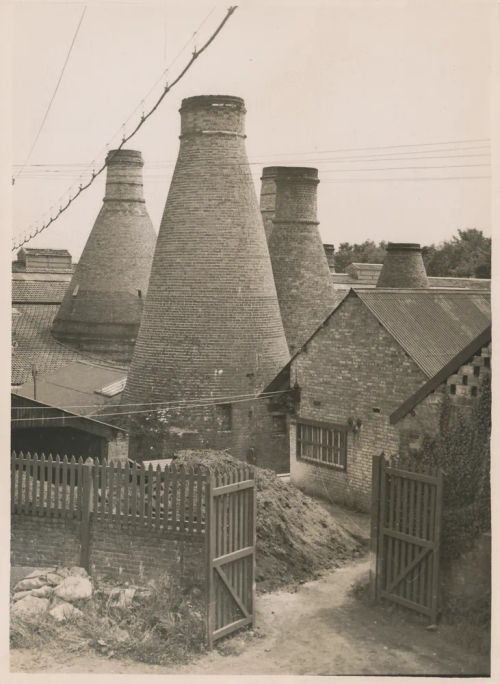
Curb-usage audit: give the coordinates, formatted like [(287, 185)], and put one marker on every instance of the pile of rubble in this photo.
[(54, 591)]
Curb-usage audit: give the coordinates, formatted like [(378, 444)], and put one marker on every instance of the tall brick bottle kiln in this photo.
[(303, 281), (102, 308), (211, 326)]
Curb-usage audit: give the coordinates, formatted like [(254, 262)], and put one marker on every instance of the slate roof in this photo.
[(432, 326), (43, 251), (33, 343), (38, 291), (75, 386)]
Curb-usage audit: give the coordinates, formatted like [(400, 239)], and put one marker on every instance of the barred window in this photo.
[(322, 444)]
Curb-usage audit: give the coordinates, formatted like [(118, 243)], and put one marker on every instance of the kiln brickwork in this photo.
[(403, 267), (300, 267), (211, 325), (101, 310)]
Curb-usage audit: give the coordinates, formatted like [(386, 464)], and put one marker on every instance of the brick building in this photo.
[(101, 310), (372, 376)]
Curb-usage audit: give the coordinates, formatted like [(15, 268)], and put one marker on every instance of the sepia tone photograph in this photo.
[(251, 337)]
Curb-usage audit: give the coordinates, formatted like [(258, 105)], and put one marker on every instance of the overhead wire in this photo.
[(96, 416), (126, 138), (51, 101)]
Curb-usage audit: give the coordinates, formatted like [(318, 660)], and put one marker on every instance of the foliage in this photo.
[(466, 255), (462, 451), (368, 252)]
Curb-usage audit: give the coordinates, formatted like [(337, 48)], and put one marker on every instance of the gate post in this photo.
[(377, 474), (210, 555), (86, 510)]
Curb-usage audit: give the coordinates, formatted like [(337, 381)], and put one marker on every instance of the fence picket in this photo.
[(157, 497)]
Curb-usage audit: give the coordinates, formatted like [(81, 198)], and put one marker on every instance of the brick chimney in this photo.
[(101, 310), (403, 267), (211, 325), (330, 254), (300, 267)]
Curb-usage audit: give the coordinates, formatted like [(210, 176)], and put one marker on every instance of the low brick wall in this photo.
[(44, 541), (137, 554), (117, 551)]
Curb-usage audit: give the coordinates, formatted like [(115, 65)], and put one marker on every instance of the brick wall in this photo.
[(44, 541), (115, 551), (463, 389), (354, 369), (128, 553)]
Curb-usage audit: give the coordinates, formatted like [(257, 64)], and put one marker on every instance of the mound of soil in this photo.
[(296, 537)]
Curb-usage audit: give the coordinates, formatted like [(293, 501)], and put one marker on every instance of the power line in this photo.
[(96, 416), (416, 178), (125, 139), (53, 96), (165, 404)]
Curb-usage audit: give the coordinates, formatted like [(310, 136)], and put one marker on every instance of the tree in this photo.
[(368, 252), (466, 255)]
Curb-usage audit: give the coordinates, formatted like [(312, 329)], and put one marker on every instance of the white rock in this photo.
[(43, 592), (39, 571), (34, 583), (63, 611), (53, 578), (21, 594), (30, 606), (78, 572), (74, 588)]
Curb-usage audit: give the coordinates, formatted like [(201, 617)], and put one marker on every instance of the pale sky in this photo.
[(357, 89)]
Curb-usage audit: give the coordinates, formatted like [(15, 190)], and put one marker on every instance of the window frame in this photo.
[(336, 445)]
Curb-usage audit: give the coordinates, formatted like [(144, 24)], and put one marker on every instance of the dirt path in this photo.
[(318, 630)]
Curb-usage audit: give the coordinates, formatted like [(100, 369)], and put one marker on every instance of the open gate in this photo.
[(230, 553), (406, 526)]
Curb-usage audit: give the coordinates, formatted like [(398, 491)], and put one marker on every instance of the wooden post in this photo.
[(436, 550), (377, 474), (210, 555), (253, 522), (87, 505)]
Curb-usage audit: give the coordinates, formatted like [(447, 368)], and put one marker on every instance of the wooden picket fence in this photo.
[(405, 537), (177, 502)]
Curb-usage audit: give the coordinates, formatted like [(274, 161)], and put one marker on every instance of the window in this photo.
[(473, 391), (477, 371), (487, 362), (453, 389), (279, 424), (465, 380), (322, 444)]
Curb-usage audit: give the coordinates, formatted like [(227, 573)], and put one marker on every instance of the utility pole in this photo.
[(33, 373)]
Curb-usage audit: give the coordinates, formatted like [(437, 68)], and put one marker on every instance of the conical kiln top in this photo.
[(102, 308), (211, 325)]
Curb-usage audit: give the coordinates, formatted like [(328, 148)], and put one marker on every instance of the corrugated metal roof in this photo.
[(432, 326), (38, 291), (74, 385)]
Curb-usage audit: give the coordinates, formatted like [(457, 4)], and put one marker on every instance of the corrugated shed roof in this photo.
[(432, 326), (38, 291), (75, 385)]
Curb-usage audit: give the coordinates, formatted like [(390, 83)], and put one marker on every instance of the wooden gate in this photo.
[(230, 552), (406, 524)]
